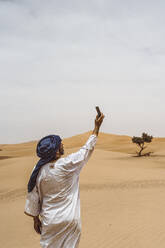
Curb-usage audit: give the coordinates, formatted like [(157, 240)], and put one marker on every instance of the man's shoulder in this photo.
[(65, 159)]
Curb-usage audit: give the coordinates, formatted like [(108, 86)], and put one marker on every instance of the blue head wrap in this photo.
[(46, 150)]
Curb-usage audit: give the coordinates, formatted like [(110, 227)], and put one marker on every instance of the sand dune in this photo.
[(108, 142), (122, 196)]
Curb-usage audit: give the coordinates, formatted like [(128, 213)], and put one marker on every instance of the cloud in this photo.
[(75, 54)]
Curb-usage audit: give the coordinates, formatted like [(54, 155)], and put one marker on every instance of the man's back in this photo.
[(59, 192)]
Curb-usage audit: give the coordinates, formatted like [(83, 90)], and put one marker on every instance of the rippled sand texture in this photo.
[(122, 196)]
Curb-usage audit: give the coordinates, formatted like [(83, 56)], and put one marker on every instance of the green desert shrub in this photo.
[(140, 141)]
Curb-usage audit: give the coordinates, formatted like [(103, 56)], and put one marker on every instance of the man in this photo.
[(53, 191)]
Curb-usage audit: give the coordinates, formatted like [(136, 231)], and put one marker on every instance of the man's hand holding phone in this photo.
[(98, 121)]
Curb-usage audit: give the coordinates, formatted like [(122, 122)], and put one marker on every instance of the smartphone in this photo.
[(98, 111)]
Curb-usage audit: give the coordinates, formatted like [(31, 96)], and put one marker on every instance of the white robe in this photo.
[(56, 199)]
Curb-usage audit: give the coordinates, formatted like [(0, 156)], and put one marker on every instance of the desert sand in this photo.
[(122, 196)]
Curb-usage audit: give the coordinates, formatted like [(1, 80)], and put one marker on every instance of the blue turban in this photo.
[(46, 150)]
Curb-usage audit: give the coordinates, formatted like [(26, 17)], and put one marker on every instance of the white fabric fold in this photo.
[(32, 206)]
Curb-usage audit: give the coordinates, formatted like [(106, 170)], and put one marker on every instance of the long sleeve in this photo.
[(32, 205), (75, 161)]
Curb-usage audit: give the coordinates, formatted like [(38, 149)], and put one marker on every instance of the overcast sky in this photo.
[(59, 59)]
